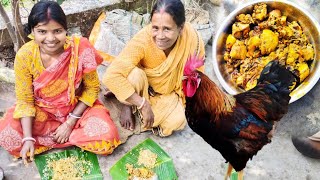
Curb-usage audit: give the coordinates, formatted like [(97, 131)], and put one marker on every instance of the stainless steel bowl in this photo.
[(294, 13)]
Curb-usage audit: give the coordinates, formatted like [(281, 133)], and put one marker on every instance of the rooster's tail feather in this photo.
[(277, 77)]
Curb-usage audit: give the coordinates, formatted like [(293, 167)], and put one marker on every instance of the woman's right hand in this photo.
[(147, 115), (28, 147)]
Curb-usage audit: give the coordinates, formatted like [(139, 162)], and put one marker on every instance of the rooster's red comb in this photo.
[(194, 61)]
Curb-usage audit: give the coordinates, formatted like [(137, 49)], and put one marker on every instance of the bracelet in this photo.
[(143, 102), (28, 139), (74, 116)]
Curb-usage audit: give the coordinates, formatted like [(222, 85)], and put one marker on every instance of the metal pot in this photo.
[(294, 13)]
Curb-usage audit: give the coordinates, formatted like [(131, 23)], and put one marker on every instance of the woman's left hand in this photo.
[(147, 115), (62, 133)]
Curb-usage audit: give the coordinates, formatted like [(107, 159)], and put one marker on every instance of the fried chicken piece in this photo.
[(303, 70), (307, 52), (293, 54), (253, 44), (238, 50), (274, 14), (245, 18), (230, 41), (240, 30), (285, 32), (269, 41), (259, 12)]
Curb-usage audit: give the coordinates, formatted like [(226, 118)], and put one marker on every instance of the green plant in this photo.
[(60, 1), (5, 3), (14, 28)]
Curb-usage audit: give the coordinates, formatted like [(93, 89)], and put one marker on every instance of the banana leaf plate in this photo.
[(90, 162), (164, 167)]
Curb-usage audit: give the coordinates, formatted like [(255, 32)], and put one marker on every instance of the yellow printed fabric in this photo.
[(164, 73), (28, 66), (91, 88), (50, 94)]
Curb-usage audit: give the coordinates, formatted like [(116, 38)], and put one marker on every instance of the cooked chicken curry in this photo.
[(261, 37)]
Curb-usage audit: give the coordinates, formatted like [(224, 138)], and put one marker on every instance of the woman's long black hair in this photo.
[(43, 12), (173, 7)]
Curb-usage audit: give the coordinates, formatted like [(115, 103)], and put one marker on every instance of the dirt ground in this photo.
[(194, 159)]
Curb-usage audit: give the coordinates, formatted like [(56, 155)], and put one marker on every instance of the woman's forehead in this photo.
[(162, 19), (50, 24)]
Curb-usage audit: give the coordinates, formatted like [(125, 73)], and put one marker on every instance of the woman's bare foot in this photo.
[(127, 119), (108, 94)]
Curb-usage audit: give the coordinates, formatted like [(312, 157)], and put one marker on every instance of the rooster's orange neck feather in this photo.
[(214, 98)]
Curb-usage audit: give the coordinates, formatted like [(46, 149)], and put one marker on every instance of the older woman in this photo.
[(147, 74), (56, 88)]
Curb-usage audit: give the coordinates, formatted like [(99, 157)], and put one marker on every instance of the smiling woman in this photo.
[(164, 34), (56, 90), (147, 75)]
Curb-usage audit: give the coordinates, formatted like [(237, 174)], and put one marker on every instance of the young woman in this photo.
[(147, 74), (56, 89)]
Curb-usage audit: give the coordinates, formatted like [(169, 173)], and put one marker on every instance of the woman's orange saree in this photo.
[(55, 93)]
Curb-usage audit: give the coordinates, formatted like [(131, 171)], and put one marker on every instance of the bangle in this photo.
[(143, 102), (74, 116), (28, 139)]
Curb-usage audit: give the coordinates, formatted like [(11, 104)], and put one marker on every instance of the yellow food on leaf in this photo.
[(147, 158), (146, 161), (68, 168)]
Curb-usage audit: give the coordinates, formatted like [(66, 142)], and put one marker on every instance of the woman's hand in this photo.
[(27, 141), (62, 133), (28, 147), (144, 108), (147, 115)]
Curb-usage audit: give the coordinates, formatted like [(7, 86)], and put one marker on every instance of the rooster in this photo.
[(237, 126)]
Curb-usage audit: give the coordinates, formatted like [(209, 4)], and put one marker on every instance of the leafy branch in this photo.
[(15, 29)]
